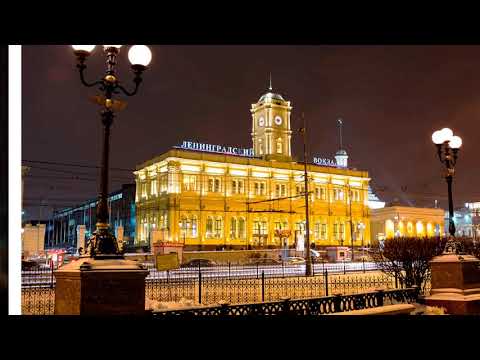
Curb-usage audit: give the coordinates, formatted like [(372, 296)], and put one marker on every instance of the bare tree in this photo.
[(407, 258)]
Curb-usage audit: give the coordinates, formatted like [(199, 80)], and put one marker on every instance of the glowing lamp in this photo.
[(455, 142), (85, 48), (140, 55), (447, 134), (437, 137)]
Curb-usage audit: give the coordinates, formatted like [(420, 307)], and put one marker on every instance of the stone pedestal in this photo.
[(100, 287), (455, 284)]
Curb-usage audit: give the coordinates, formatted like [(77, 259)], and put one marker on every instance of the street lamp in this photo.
[(308, 264), (447, 150), (103, 244)]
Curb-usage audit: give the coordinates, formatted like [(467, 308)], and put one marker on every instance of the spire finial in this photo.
[(270, 83), (340, 123)]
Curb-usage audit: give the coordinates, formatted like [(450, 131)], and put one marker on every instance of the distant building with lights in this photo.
[(467, 220), (397, 221), (63, 230), (209, 196)]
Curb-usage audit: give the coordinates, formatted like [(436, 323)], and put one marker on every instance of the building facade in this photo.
[(63, 229), (396, 221), (210, 200), (467, 220)]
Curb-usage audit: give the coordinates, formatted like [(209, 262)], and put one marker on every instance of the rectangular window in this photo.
[(323, 234), (259, 188), (335, 231), (189, 182), (277, 190), (342, 231), (317, 231), (154, 187), (237, 186), (214, 185), (163, 183), (284, 190), (218, 228)]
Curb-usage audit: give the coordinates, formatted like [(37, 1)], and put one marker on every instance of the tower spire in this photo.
[(340, 124), (270, 82)]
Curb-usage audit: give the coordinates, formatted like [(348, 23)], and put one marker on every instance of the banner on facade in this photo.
[(167, 261)]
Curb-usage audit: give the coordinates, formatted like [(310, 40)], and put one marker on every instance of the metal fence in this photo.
[(234, 290), (313, 306), (233, 284)]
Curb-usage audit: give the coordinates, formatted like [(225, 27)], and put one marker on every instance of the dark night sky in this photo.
[(391, 99)]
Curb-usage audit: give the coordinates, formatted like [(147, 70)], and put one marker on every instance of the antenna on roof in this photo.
[(340, 124), (270, 83)]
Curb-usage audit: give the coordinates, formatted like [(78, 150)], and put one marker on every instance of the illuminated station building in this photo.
[(208, 197)]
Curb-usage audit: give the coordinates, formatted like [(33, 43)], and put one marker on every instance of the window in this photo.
[(277, 190), (342, 231), (194, 227), (335, 231), (279, 146), (214, 185), (209, 227), (237, 186), (153, 187), (338, 194), (259, 188), (189, 182), (355, 195), (323, 232), (241, 228), (163, 183), (233, 228), (320, 193), (260, 227), (300, 189), (218, 227), (316, 231)]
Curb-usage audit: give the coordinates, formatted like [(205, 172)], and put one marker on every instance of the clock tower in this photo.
[(271, 134)]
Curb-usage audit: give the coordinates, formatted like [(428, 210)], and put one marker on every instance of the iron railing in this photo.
[(314, 306)]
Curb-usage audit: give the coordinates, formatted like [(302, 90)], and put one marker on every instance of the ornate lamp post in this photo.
[(447, 150), (103, 244)]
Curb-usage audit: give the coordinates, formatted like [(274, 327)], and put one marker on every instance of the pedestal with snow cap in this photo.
[(455, 284), (100, 287)]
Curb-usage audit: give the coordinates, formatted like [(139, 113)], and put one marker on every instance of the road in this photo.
[(44, 279)]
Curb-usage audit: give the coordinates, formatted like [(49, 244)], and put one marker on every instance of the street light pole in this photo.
[(448, 146), (308, 265), (103, 243)]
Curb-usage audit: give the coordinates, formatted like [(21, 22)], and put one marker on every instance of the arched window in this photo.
[(233, 228), (194, 227), (241, 228), (218, 227), (279, 146), (209, 229)]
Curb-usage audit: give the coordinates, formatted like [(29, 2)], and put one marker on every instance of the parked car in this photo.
[(265, 261), (198, 262), (30, 265), (294, 260)]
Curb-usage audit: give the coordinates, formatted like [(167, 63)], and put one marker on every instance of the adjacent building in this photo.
[(467, 220), (396, 221), (209, 196), (67, 224)]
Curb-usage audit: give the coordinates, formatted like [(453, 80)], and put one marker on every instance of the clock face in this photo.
[(261, 121), (278, 120)]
